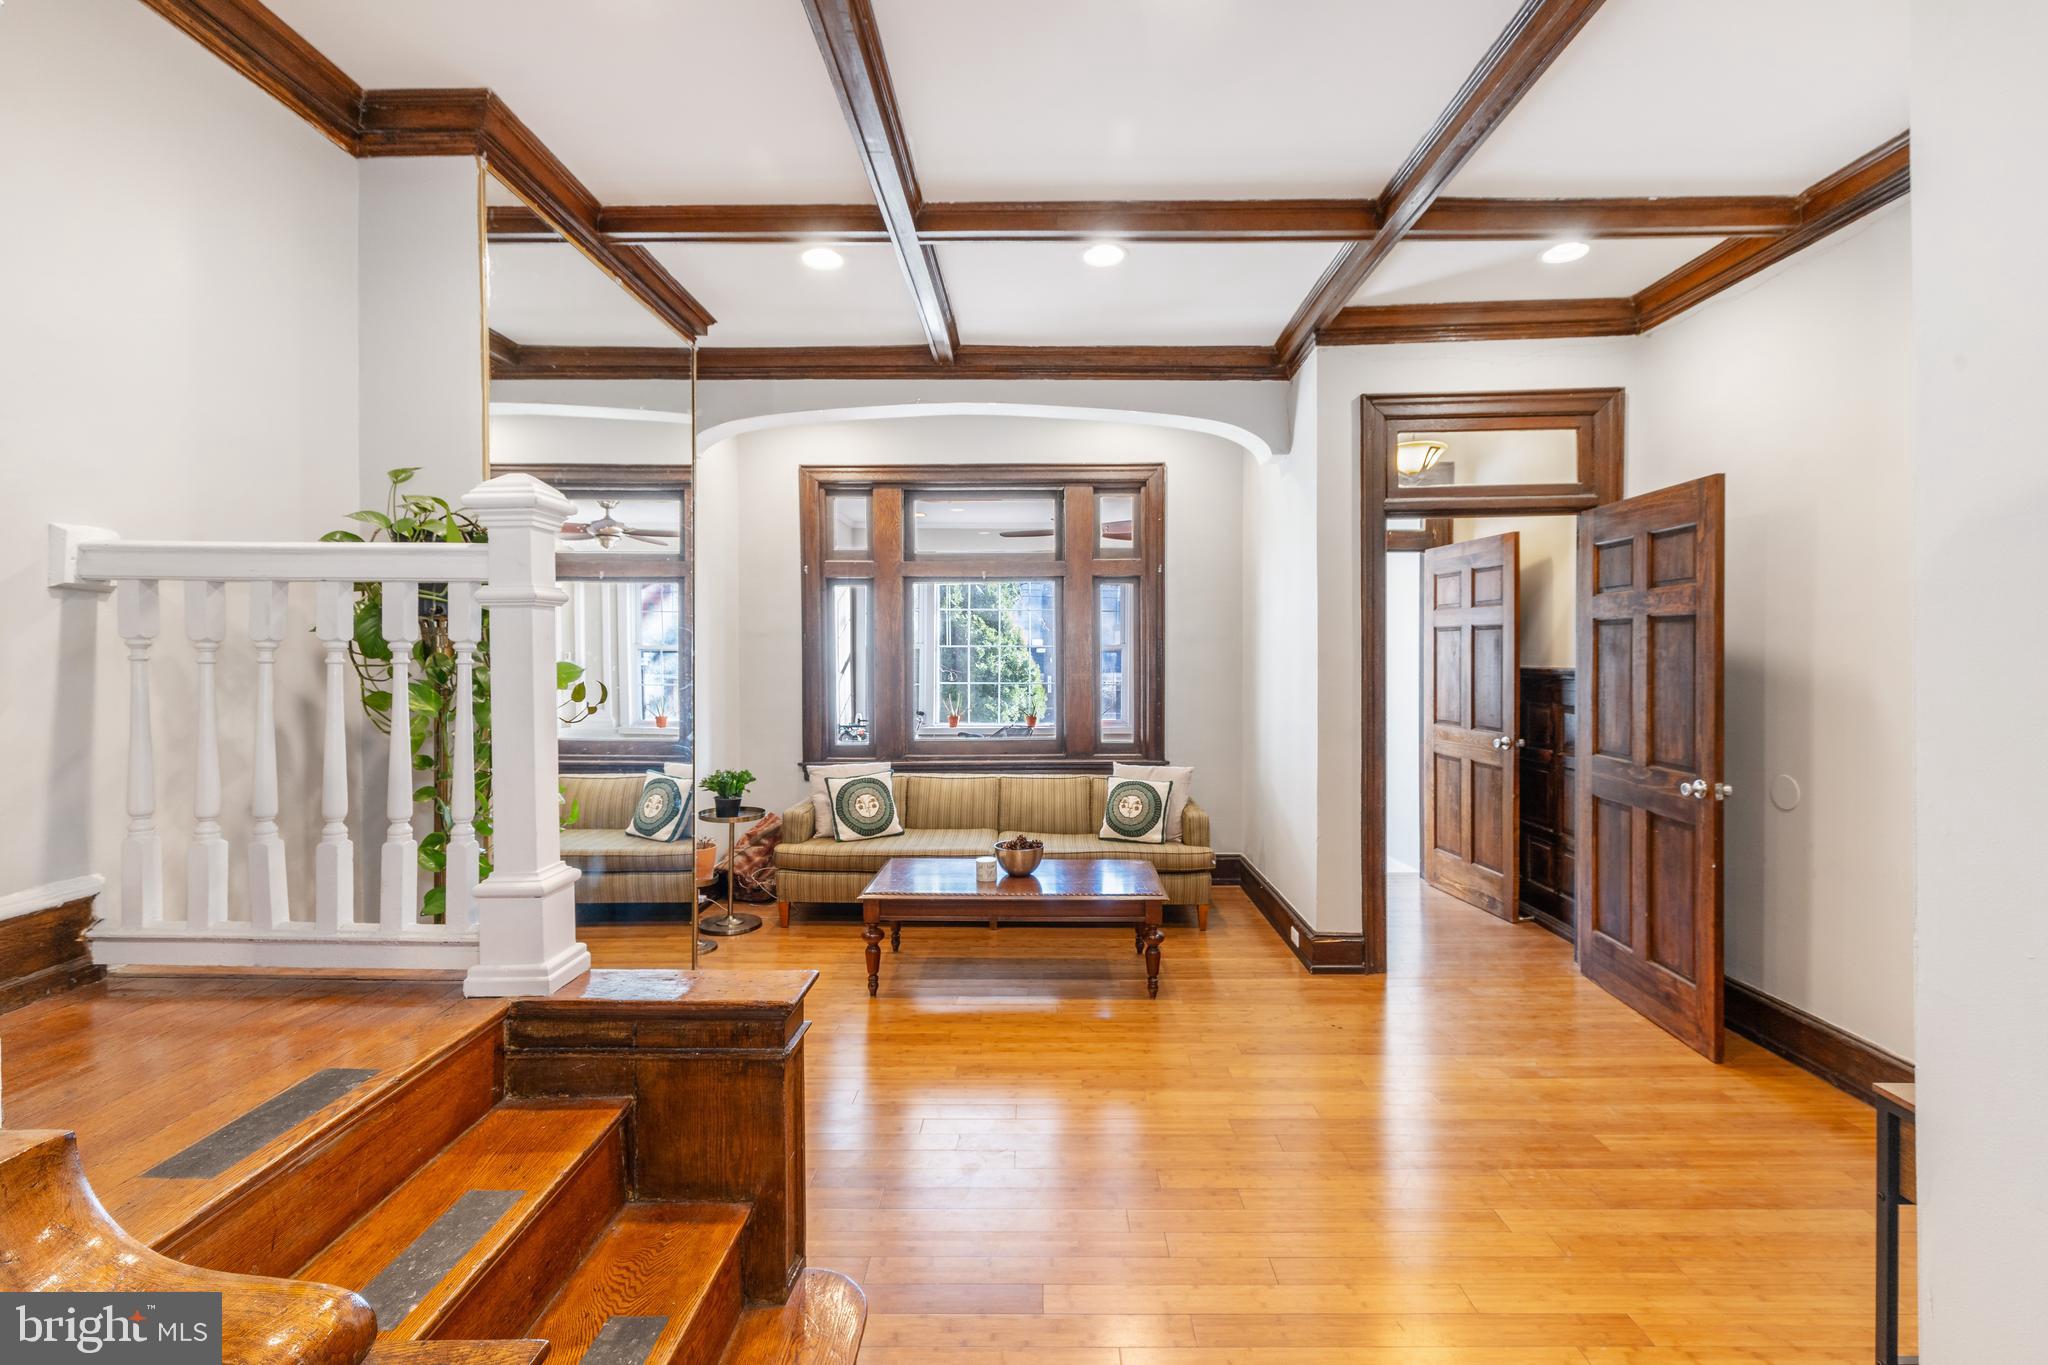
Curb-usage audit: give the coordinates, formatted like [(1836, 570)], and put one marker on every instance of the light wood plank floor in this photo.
[(1478, 1158)]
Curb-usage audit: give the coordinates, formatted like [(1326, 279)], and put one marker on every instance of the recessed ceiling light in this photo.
[(823, 258), (1565, 252), (1103, 254)]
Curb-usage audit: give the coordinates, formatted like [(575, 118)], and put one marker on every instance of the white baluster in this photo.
[(142, 856), (399, 888), (465, 630), (334, 865), (206, 865), (526, 924), (270, 904)]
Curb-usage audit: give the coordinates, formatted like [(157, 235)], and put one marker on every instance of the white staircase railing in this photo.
[(515, 932)]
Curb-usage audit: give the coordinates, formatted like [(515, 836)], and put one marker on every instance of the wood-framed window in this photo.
[(962, 616), (628, 619)]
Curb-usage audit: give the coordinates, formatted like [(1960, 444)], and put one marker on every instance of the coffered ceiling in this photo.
[(1278, 174)]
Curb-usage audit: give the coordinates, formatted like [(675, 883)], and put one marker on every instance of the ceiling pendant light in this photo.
[(1417, 457), (1103, 254), (1565, 252), (823, 258)]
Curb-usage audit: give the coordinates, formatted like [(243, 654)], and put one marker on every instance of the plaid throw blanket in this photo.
[(753, 861)]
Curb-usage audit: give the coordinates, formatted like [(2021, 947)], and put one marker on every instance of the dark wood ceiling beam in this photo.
[(1864, 185), (1511, 220), (1512, 320), (504, 350), (478, 123), (271, 53), (1523, 52), (891, 362), (651, 223), (851, 45)]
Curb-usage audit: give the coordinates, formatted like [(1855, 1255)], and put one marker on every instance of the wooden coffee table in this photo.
[(1062, 890)]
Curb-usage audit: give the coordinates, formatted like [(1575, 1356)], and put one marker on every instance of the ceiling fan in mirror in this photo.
[(608, 530), (1111, 530)]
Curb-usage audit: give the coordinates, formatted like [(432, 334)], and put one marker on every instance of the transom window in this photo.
[(954, 614)]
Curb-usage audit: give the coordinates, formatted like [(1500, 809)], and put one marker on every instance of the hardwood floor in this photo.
[(1479, 1158)]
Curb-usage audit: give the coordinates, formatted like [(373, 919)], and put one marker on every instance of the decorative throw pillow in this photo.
[(821, 803), (863, 807), (1183, 787), (663, 810), (1136, 810)]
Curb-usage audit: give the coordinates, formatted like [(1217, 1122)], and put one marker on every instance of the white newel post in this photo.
[(465, 630), (398, 893), (142, 856), (269, 900), (526, 926), (206, 864), (334, 861)]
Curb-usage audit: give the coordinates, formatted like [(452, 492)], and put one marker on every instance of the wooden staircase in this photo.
[(449, 1219)]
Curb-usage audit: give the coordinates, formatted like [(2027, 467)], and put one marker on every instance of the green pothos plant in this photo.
[(430, 704)]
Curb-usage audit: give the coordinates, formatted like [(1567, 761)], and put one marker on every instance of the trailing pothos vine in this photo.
[(414, 518)]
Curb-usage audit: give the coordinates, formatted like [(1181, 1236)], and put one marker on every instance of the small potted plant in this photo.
[(727, 786), (1031, 720), (953, 719), (707, 860), (660, 715)]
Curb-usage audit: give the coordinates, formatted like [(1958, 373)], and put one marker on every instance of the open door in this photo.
[(1471, 681), (1650, 790)]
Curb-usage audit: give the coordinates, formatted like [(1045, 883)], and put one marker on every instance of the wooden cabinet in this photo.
[(1549, 772)]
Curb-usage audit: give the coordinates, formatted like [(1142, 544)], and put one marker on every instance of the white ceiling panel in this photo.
[(1733, 97), (1174, 98), (765, 296), (548, 293), (647, 101), (1041, 293), (1477, 272)]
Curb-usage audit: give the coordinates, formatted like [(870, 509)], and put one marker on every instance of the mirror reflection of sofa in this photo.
[(617, 868), (963, 817)]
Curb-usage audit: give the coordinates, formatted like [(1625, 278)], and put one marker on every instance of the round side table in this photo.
[(732, 921)]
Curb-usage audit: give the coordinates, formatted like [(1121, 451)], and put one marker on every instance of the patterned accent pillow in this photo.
[(1183, 788), (1135, 811), (821, 804), (863, 807), (663, 811), (753, 861)]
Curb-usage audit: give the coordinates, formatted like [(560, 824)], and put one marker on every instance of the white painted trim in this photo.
[(598, 413), (50, 895), (1251, 443), (65, 541), (292, 561), (126, 948), (523, 979)]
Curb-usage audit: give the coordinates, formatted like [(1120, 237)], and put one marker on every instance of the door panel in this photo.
[(1649, 793), (1472, 683)]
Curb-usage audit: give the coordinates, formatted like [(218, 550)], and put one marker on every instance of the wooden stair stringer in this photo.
[(820, 1324), (671, 1270)]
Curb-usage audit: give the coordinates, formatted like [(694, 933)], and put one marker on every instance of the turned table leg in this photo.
[(1154, 936), (1141, 939), (872, 932), (896, 938)]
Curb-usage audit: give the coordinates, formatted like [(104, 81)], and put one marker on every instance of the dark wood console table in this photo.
[(1897, 1184), (1062, 890)]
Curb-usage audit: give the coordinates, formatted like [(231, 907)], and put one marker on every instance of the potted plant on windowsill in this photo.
[(660, 716), (727, 786)]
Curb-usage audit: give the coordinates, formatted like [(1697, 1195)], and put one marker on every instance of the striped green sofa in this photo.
[(961, 817), (617, 868)]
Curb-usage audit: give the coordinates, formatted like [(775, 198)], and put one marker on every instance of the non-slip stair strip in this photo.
[(426, 1261), (625, 1341), (240, 1138)]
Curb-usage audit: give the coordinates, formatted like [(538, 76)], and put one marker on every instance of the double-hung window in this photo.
[(959, 615)]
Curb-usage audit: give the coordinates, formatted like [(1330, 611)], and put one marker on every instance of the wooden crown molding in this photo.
[(1863, 186), (271, 53), (1523, 52), (514, 361), (851, 44), (1504, 321)]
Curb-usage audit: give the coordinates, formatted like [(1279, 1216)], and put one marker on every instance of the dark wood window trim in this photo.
[(583, 481), (1596, 414), (890, 570)]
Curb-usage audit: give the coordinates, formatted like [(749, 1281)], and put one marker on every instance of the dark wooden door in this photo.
[(1650, 793), (1471, 680)]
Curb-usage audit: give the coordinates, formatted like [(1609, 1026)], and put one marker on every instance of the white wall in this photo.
[(192, 377), (1797, 386), (561, 438), (1979, 490), (1404, 714), (763, 689)]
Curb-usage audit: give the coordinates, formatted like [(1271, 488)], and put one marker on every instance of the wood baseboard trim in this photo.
[(1562, 928), (44, 951), (1321, 953), (1229, 870), (1841, 1059)]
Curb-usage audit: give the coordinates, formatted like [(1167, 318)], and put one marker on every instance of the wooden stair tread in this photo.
[(511, 1203), (392, 1351), (821, 1324), (674, 1266)]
